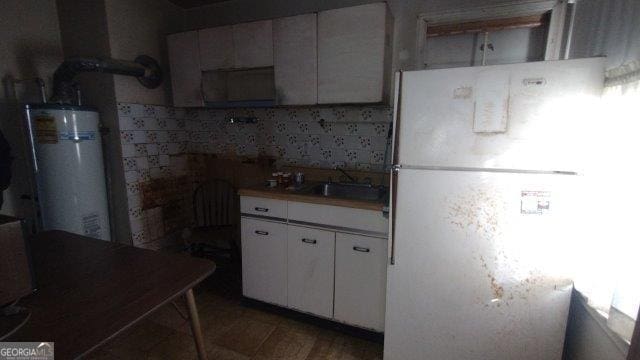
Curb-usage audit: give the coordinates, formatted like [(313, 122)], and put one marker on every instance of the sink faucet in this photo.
[(351, 178)]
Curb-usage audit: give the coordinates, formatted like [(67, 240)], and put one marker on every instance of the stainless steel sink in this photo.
[(350, 191)]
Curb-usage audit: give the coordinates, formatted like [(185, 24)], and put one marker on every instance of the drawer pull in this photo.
[(361, 249), (309, 241), (260, 232), (261, 209)]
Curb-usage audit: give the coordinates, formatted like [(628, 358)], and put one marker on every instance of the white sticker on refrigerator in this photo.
[(535, 202), (91, 225)]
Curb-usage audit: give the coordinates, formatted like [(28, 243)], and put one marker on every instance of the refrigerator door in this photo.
[(480, 265), (531, 116)]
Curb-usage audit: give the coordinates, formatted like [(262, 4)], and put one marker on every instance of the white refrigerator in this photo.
[(485, 200)]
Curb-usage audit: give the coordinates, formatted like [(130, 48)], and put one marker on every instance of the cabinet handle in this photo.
[(309, 241), (261, 209), (260, 232), (361, 249)]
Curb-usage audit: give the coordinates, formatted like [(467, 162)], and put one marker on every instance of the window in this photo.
[(502, 34), (501, 41), (612, 286)]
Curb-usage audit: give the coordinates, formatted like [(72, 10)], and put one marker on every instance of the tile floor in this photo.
[(234, 330)]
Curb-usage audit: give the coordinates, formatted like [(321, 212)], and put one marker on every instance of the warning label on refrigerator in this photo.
[(91, 225), (535, 202), (45, 130)]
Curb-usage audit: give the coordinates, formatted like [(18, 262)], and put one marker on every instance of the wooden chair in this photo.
[(216, 217)]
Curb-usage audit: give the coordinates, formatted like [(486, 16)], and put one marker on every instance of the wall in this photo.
[(136, 28), (83, 28), (85, 33), (587, 335), (118, 29), (139, 28), (30, 42), (157, 142), (29, 47), (122, 30)]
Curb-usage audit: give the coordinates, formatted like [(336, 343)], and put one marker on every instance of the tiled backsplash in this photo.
[(350, 137), (156, 140)]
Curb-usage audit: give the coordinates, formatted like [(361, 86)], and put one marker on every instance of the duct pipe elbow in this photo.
[(144, 68)]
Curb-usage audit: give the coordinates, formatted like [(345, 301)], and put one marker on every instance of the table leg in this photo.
[(195, 325)]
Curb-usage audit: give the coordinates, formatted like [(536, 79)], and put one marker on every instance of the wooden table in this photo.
[(90, 290)]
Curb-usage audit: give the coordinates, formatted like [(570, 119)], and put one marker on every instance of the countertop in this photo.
[(280, 193)]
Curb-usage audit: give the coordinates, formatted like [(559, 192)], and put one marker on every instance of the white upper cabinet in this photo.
[(352, 54), (333, 57), (186, 76), (216, 48), (253, 44), (295, 59)]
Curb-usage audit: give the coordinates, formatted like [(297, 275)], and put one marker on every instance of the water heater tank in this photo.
[(69, 171)]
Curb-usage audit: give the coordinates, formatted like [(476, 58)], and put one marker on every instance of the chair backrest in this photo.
[(214, 204)]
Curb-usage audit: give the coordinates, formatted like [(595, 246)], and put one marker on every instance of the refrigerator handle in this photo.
[(394, 192), (397, 114), (396, 167)]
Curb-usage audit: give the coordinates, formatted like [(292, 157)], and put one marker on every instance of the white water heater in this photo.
[(69, 169)]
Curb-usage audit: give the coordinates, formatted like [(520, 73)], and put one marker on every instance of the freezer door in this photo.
[(533, 116), (480, 266)]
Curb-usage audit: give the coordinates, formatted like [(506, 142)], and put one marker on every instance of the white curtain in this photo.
[(610, 239), (609, 269)]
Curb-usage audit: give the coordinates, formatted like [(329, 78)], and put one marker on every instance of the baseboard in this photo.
[(313, 320)]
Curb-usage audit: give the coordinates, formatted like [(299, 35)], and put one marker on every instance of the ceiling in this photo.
[(186, 4)]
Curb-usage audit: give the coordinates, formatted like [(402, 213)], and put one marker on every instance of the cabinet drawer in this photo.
[(338, 216), (360, 273), (263, 207), (264, 260), (310, 254)]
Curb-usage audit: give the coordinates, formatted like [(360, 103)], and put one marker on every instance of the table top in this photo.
[(91, 290)]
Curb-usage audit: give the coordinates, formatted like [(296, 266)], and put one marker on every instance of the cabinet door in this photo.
[(253, 44), (185, 69), (216, 48), (295, 59), (264, 260), (351, 54), (310, 254), (361, 275)]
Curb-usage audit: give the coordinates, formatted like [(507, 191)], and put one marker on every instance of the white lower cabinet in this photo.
[(264, 260), (313, 268), (361, 275), (310, 254)]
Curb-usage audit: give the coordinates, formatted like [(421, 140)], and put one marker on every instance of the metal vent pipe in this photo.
[(144, 68)]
